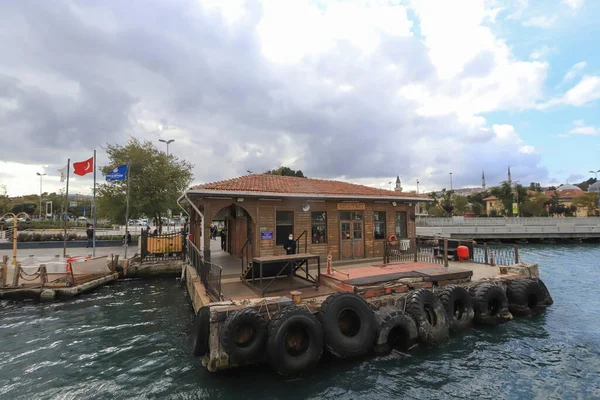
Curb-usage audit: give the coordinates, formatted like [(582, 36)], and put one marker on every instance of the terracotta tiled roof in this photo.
[(490, 198), (565, 194), (289, 185)]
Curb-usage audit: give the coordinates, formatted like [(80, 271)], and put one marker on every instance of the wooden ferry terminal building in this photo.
[(345, 220)]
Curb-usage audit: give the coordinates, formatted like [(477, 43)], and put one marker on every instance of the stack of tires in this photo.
[(292, 342)]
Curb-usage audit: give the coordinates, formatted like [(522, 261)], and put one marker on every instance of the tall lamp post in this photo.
[(450, 180), (417, 186), (595, 174), (40, 175), (167, 142)]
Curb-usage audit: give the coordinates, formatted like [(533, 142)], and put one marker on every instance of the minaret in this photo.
[(398, 184), (509, 178), (483, 179)]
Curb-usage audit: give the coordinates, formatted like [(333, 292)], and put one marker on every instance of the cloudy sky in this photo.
[(354, 90)]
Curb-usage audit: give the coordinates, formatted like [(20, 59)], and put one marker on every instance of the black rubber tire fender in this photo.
[(200, 332), (429, 315), (490, 304), (244, 336), (396, 330), (458, 305), (296, 340), (526, 297), (348, 323), (548, 301)]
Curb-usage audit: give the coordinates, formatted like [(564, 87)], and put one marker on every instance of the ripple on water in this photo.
[(128, 340)]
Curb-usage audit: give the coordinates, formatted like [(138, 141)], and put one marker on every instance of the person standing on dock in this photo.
[(90, 235), (223, 239), (290, 245)]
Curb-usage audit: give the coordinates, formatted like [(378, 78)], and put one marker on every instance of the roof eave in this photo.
[(227, 193)]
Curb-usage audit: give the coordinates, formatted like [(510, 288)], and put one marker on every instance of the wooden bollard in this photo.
[(43, 275), (492, 263), (3, 268), (16, 275), (485, 253), (516, 253)]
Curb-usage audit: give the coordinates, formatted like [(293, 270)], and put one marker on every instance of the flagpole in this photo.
[(65, 216), (94, 207), (127, 208)]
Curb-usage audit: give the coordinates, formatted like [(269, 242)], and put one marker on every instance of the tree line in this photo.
[(531, 201)]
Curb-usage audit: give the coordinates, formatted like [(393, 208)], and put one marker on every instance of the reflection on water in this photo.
[(129, 340)]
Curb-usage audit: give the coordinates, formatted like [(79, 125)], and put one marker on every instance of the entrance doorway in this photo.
[(351, 229)]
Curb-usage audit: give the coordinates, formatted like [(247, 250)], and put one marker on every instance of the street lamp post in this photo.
[(417, 186), (167, 142), (40, 175), (450, 180), (595, 174)]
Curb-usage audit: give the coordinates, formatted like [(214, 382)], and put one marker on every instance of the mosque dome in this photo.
[(568, 187), (594, 187)]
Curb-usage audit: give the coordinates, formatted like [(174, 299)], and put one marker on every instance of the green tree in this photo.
[(286, 171), (460, 204), (535, 186), (446, 202), (156, 181), (535, 206), (588, 200), (4, 200), (508, 195), (554, 205)]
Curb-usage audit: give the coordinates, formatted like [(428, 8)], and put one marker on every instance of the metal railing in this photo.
[(305, 234), (170, 246), (415, 250), (209, 273), (502, 221), (439, 251), (246, 251), (495, 254)]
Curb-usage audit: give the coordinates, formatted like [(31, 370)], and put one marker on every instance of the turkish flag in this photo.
[(84, 167)]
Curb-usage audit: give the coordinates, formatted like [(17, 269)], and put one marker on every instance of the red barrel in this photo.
[(463, 253)]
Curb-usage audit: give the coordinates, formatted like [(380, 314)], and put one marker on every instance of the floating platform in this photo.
[(54, 278), (351, 311)]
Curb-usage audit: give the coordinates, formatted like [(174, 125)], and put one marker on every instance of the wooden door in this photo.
[(351, 235), (358, 245)]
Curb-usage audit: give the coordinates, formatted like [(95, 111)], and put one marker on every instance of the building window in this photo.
[(284, 225), (379, 222), (319, 227), (401, 229)]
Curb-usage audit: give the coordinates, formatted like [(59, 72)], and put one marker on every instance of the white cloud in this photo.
[(542, 52), (581, 129), (574, 4), (540, 21), (574, 71), (305, 84), (527, 149), (586, 91), (290, 31)]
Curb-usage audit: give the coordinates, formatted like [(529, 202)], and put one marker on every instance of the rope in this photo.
[(36, 272), (32, 279)]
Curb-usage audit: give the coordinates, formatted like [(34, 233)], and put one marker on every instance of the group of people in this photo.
[(214, 232)]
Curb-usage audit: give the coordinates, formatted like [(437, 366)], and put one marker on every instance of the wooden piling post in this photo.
[(492, 263), (516, 254), (485, 253), (16, 275), (43, 275), (445, 252), (416, 250), (3, 272)]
